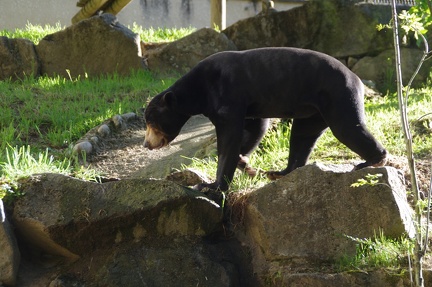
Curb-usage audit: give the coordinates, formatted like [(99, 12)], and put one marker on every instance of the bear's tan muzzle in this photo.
[(154, 139)]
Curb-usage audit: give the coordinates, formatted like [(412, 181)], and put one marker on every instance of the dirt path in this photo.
[(124, 156)]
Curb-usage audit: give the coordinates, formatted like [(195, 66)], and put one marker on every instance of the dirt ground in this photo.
[(123, 155)]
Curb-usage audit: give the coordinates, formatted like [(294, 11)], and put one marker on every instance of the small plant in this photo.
[(369, 179), (156, 35), (20, 162), (378, 252)]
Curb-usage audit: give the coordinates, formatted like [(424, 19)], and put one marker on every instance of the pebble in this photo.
[(83, 147), (104, 131), (129, 116), (118, 121)]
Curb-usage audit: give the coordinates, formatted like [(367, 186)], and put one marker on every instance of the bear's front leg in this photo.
[(229, 135)]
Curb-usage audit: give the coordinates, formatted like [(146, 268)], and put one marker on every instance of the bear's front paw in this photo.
[(211, 190), (205, 187), (274, 175)]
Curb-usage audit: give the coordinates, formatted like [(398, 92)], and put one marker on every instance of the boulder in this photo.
[(67, 217), (182, 55), (293, 28), (95, 46), (380, 69), (303, 219), (9, 255), (17, 59), (135, 232), (335, 27)]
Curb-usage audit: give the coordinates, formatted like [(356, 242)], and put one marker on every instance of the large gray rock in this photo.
[(381, 68), (9, 254), (17, 59), (303, 219), (135, 232), (67, 217), (337, 28), (182, 55), (96, 46)]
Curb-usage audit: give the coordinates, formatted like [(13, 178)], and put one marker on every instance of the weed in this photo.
[(155, 35), (378, 252)]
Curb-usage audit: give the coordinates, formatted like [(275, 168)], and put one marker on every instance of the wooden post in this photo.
[(218, 14), (116, 6), (89, 9)]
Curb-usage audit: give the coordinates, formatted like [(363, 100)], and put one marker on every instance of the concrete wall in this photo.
[(147, 13)]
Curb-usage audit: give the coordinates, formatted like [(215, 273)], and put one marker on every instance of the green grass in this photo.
[(378, 252), (156, 35), (35, 33), (31, 32), (54, 112)]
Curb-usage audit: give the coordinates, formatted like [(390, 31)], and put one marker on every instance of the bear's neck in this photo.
[(191, 100)]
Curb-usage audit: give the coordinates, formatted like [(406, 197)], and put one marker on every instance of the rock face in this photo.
[(333, 27), (68, 217), (156, 233), (96, 46), (9, 255), (303, 219), (131, 232), (182, 55), (380, 68), (17, 59)]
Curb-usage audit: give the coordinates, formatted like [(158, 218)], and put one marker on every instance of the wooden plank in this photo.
[(116, 6), (89, 9)]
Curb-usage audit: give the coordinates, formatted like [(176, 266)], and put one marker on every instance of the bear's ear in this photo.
[(169, 99)]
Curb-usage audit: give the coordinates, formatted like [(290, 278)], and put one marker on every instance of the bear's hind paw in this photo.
[(274, 175)]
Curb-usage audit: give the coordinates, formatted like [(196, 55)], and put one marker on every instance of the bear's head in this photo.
[(163, 121)]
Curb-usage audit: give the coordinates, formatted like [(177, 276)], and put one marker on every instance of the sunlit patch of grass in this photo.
[(155, 35), (32, 32), (34, 109), (377, 252)]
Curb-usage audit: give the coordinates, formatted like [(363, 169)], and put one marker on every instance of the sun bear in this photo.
[(239, 91)]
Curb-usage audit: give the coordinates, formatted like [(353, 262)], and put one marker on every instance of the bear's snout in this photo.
[(154, 139)]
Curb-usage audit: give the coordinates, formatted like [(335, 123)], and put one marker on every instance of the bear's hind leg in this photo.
[(253, 132), (358, 139), (304, 134), (346, 120)]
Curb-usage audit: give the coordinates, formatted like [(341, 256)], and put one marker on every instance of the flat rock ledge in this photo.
[(67, 217)]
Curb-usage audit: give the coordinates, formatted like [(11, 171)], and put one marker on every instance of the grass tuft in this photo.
[(378, 252)]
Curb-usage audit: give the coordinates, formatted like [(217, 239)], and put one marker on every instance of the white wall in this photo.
[(147, 13)]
